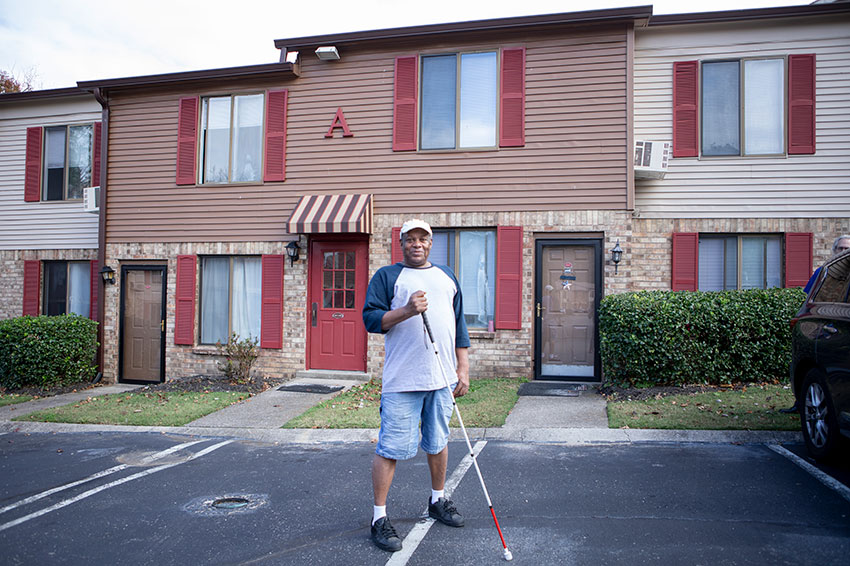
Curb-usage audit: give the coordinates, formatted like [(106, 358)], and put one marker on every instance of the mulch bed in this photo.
[(614, 393)]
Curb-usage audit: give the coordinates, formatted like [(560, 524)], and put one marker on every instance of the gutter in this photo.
[(100, 96)]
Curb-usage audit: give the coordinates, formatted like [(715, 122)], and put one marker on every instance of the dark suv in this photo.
[(820, 360)]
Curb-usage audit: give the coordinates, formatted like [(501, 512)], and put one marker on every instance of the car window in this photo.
[(834, 286)]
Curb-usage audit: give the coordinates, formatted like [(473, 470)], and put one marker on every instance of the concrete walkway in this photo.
[(572, 420)]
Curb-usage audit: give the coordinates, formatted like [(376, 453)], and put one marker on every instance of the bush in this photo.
[(653, 338), (47, 351), (239, 357)]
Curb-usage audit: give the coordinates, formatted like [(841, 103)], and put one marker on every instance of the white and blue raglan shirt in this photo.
[(410, 363)]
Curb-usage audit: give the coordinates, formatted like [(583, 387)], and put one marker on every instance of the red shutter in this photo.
[(685, 261), (32, 285), (271, 317), (32, 166), (95, 166), (801, 104), (404, 103), (187, 140), (509, 278), (685, 115), (184, 300), (798, 258), (512, 99), (274, 168), (94, 282), (395, 246)]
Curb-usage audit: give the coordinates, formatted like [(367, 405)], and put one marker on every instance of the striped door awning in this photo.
[(331, 214)]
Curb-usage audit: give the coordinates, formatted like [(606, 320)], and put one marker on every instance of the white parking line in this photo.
[(144, 462), (420, 529), (98, 489), (824, 478)]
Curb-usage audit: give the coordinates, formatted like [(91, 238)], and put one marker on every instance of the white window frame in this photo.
[(202, 144), (43, 190)]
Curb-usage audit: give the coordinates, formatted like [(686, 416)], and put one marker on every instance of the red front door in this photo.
[(338, 280)]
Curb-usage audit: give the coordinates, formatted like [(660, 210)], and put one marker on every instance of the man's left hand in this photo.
[(462, 386)]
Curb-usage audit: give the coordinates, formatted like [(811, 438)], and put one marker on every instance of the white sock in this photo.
[(378, 511), (437, 494)]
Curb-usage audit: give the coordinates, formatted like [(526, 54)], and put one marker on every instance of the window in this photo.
[(459, 101), (68, 157), (743, 107), (472, 256), (232, 138), (834, 288), (230, 298), (67, 287), (739, 262)]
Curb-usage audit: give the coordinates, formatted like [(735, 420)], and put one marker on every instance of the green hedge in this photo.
[(676, 338), (47, 351)]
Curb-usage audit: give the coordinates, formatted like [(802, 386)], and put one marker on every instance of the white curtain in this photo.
[(764, 106), (246, 296), (478, 100), (79, 294), (216, 139), (215, 293), (439, 101), (247, 138), (477, 275)]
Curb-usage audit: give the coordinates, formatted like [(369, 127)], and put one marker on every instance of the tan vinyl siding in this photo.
[(575, 155), (40, 225), (795, 186)]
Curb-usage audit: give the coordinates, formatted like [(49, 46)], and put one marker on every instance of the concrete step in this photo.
[(358, 376)]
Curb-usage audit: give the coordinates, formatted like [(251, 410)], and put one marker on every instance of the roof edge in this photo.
[(265, 69), (751, 14), (499, 24), (67, 92)]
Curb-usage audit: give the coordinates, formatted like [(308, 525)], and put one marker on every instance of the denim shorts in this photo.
[(401, 416)]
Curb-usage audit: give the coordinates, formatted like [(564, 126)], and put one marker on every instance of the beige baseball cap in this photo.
[(414, 223)]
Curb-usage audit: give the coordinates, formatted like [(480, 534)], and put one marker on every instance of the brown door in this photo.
[(568, 290), (142, 324), (338, 279)]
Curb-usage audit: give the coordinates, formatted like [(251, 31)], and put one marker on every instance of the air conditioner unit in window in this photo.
[(91, 199), (651, 159)]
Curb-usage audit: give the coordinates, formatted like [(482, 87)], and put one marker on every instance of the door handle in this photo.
[(162, 326), (538, 310), (315, 314)]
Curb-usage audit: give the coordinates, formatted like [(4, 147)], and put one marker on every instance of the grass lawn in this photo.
[(139, 409), (11, 399), (486, 405), (756, 407)]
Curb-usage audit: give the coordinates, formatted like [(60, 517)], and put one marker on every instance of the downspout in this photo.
[(101, 225)]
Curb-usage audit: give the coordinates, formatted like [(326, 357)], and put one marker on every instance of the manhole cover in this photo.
[(226, 504), (310, 388), (230, 503)]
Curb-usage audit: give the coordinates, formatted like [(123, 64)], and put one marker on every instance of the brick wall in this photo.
[(12, 270)]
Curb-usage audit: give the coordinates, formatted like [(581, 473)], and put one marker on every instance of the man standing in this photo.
[(414, 396)]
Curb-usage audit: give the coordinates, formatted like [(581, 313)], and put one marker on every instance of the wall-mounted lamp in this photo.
[(616, 256), (327, 53), (292, 249), (108, 275)]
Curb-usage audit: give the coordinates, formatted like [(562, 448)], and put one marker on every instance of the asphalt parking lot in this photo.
[(134, 498)]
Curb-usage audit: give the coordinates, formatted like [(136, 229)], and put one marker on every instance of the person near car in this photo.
[(839, 246), (416, 404)]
